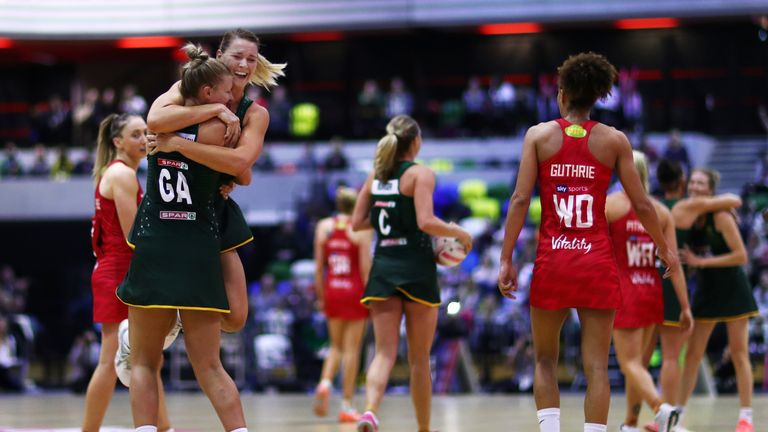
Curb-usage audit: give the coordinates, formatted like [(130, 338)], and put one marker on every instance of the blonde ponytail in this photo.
[(266, 73), (641, 164), (384, 162), (109, 128)]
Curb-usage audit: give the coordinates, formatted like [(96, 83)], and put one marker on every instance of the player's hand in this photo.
[(151, 143), (232, 122), (671, 260), (226, 189), (162, 143), (463, 237), (688, 257), (507, 279), (686, 321)]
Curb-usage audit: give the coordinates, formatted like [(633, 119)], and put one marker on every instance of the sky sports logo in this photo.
[(561, 188)]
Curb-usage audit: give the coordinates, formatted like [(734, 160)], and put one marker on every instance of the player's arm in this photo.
[(702, 205), (321, 232), (364, 242), (124, 191), (423, 191), (644, 208), (726, 225), (361, 214), (233, 161), (518, 208), (169, 114), (677, 277)]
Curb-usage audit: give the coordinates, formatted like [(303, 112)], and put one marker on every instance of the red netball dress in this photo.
[(343, 283), (642, 296), (575, 266), (113, 257)]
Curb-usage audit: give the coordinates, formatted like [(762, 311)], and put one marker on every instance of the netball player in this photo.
[(342, 263), (723, 294), (642, 306), (396, 201), (573, 159), (121, 146), (176, 264)]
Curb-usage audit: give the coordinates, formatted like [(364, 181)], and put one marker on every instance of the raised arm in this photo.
[(644, 208), (701, 205), (233, 161), (517, 210), (361, 214), (423, 191), (168, 113)]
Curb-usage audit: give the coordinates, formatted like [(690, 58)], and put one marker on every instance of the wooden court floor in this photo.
[(190, 411)]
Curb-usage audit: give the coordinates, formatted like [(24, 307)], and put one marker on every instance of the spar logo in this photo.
[(561, 188), (178, 215), (172, 163)]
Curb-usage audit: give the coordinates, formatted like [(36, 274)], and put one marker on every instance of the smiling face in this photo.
[(699, 184), (221, 92), (131, 143), (241, 57)]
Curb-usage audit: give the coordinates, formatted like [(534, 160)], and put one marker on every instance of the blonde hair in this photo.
[(345, 199), (266, 73), (712, 175), (109, 128), (641, 164), (199, 71), (402, 130)]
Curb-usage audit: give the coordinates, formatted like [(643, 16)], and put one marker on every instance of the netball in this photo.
[(448, 251)]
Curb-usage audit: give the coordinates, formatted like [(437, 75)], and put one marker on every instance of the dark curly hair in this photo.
[(670, 174), (585, 78)]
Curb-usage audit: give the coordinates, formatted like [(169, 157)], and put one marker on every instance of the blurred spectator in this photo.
[(55, 123), (255, 94), (369, 113), (336, 160), (10, 167), (475, 106), (39, 166), (265, 162), (83, 359), (279, 114), (546, 100), (607, 109), (308, 160), (676, 151), (761, 293), (62, 166), (84, 166), (132, 102), (399, 100), (10, 364), (107, 105), (86, 119), (631, 101), (503, 98)]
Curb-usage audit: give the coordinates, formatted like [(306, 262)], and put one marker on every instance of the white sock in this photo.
[(625, 428), (595, 427), (239, 430), (346, 405), (549, 419), (146, 428), (325, 382), (745, 413), (681, 410)]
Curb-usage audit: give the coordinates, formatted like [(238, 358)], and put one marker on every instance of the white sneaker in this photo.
[(667, 417), (174, 333), (625, 428), (123, 354), (680, 429)]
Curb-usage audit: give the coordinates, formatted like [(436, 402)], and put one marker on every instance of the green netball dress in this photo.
[(235, 231), (671, 303), (403, 262), (723, 293), (176, 238)]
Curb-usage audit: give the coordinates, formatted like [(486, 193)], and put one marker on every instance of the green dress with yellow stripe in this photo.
[(403, 262), (722, 293), (235, 231), (176, 238)]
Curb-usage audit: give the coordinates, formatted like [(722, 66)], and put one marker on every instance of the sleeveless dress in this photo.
[(343, 283), (403, 262), (176, 238), (235, 231), (575, 266), (113, 256), (671, 303), (642, 299), (722, 293)]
